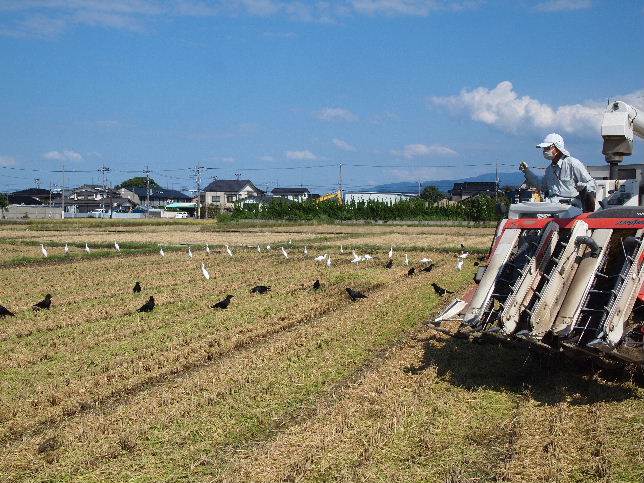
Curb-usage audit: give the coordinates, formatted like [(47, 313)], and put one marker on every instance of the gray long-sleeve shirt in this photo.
[(562, 180)]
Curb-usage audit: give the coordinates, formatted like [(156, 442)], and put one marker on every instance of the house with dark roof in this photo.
[(462, 191), (160, 197), (224, 193), (30, 196), (294, 194)]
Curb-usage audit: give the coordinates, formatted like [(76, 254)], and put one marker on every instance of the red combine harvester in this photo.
[(563, 280)]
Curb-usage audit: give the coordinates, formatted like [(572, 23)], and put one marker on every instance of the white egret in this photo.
[(205, 271)]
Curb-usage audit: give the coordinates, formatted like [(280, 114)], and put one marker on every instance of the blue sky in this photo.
[(393, 89)]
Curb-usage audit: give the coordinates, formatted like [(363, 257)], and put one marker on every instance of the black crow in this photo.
[(428, 268), (137, 288), (390, 263), (440, 290), (411, 271), (44, 303), (261, 289), (355, 295), (476, 264), (5, 312), (316, 285), (148, 306), (222, 304)]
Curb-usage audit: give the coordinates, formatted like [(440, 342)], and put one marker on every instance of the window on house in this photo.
[(231, 198), (215, 199)]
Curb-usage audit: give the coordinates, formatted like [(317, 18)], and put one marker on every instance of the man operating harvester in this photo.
[(566, 179)]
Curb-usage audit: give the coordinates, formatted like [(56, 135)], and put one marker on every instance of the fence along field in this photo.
[(293, 384)]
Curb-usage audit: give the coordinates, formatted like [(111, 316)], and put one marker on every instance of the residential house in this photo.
[(30, 196), (224, 193), (293, 194), (462, 191), (161, 197)]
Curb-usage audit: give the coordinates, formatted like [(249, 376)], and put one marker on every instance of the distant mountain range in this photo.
[(505, 179)]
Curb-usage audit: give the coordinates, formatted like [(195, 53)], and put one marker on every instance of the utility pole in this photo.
[(104, 170), (37, 183), (340, 180), (198, 182), (419, 188), (147, 190), (62, 195)]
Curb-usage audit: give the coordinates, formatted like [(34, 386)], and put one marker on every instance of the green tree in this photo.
[(138, 182), (4, 202), (432, 194)]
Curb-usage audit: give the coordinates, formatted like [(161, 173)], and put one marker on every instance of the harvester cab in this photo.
[(562, 280)]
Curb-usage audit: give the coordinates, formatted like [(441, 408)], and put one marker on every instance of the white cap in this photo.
[(557, 140)]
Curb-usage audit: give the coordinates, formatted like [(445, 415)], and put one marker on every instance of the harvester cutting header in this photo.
[(567, 274)]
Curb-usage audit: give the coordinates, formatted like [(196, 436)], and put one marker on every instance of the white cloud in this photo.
[(51, 18), (336, 114), (421, 150), (301, 155), (343, 145), (417, 8), (7, 161), (65, 155), (563, 5), (504, 109)]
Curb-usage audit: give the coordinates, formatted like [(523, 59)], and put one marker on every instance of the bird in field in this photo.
[(428, 268), (406, 260), (189, 252), (117, 246), (321, 258), (148, 306), (290, 241), (5, 312), (316, 285), (136, 288), (480, 258), (205, 272), (356, 258), (390, 263), (44, 304), (328, 262), (259, 250), (411, 271), (440, 290), (341, 249), (459, 264), (426, 260), (66, 249), (463, 255), (43, 250), (229, 251), (367, 257), (284, 252), (87, 248), (268, 247), (476, 264), (306, 251), (223, 304), (355, 295), (391, 252), (462, 248), (260, 289), (207, 249), (161, 252)]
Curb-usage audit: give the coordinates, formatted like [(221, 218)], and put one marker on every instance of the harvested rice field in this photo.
[(296, 384)]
